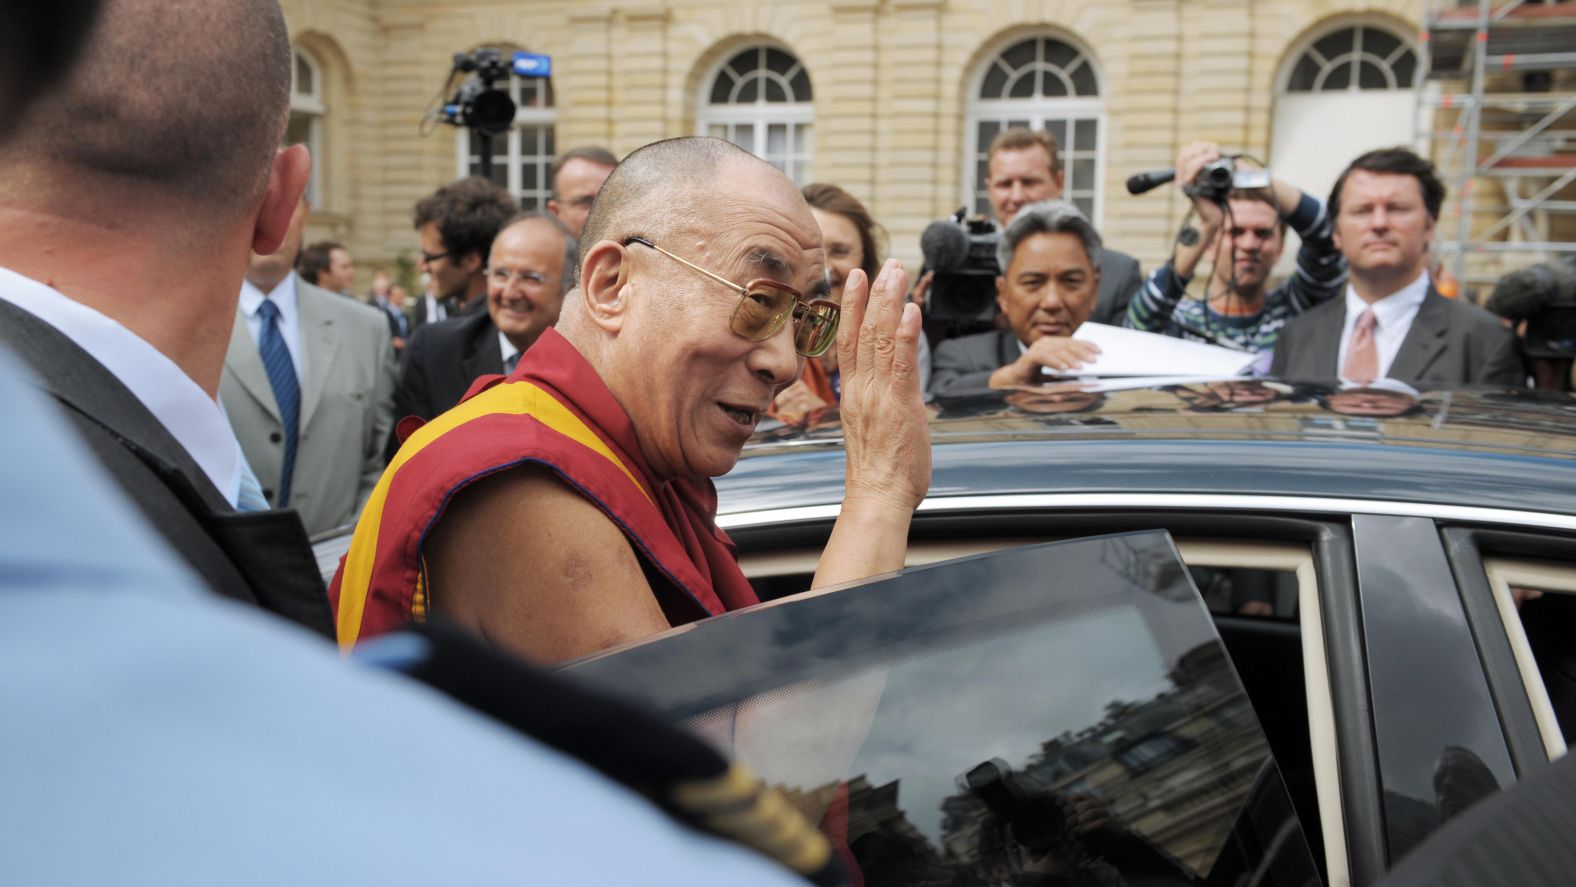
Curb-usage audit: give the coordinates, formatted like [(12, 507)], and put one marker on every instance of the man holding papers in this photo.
[(1051, 256)]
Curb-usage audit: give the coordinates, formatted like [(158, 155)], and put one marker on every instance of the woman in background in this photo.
[(850, 237)]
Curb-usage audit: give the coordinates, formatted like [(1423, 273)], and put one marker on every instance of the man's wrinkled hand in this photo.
[(883, 411)]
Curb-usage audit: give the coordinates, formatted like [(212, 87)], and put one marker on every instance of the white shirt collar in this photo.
[(283, 295), (507, 348), (1394, 315), (194, 419)]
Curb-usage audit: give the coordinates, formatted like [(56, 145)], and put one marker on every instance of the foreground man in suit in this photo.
[(1392, 323), (100, 196), (528, 270), (569, 507), (309, 387)]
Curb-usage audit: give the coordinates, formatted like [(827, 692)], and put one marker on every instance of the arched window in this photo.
[(1038, 83), (1352, 59), (306, 118), (1342, 73), (760, 100), (523, 159)]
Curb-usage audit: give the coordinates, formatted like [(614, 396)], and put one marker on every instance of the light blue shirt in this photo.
[(155, 734)]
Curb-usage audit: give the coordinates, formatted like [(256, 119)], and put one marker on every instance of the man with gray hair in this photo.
[(1050, 256)]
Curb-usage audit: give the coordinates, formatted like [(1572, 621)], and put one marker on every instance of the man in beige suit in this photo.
[(309, 387)]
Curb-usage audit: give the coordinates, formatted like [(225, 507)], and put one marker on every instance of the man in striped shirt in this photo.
[(1238, 309)]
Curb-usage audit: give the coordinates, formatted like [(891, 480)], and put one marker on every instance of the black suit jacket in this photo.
[(966, 362), (441, 361), (261, 558), (1449, 343)]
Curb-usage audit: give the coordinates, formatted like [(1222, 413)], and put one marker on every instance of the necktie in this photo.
[(510, 362), (1362, 355), (251, 498), (287, 391)]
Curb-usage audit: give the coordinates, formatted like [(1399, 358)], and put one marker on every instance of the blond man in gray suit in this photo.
[(309, 387)]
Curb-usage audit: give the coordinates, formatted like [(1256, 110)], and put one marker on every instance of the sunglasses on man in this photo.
[(765, 305)]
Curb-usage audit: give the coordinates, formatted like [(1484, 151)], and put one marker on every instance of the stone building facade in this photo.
[(892, 99)]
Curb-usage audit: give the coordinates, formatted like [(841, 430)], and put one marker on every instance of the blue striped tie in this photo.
[(287, 391)]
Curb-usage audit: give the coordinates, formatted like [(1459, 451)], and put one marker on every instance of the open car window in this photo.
[(1537, 601), (1060, 713)]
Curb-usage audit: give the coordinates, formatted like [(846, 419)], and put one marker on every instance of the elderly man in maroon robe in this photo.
[(568, 507)]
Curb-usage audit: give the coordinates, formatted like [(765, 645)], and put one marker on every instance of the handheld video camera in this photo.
[(962, 253)]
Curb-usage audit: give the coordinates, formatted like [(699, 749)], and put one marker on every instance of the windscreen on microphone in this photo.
[(1148, 181), (945, 245), (1530, 291)]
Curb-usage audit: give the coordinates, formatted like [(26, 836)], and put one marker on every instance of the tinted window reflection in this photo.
[(1247, 592), (1059, 714)]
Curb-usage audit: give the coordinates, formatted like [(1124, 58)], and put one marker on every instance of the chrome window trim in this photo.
[(1180, 501)]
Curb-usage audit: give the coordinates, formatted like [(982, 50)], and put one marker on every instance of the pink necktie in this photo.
[(1362, 355)]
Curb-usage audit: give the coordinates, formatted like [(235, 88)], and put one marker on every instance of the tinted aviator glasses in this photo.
[(765, 305)]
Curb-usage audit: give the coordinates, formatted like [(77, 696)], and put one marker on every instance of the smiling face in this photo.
[(693, 387), (1050, 287), (1383, 229), (525, 275)]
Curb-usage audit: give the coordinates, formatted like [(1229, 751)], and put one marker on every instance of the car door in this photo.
[(1061, 713)]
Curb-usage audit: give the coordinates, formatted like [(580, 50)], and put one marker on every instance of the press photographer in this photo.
[(1242, 217), (1540, 302), (958, 291)]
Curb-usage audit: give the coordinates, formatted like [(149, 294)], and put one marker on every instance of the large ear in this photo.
[(287, 179), (1001, 293), (604, 280)]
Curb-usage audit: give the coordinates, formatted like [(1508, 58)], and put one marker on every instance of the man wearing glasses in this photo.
[(456, 225), (528, 270), (569, 507)]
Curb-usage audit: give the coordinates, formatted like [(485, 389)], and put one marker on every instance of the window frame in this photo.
[(310, 105), (1036, 112), (1304, 46), (761, 115)]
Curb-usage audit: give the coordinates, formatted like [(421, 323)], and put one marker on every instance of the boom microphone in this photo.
[(945, 245), (1149, 181), (1526, 293)]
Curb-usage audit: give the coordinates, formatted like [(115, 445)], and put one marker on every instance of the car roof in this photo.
[(1498, 449)]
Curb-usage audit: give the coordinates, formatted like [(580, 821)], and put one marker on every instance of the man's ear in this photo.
[(1061, 182), (1001, 293), (472, 263), (287, 179), (554, 207), (604, 278)]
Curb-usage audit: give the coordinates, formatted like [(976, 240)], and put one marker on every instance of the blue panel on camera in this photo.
[(529, 64)]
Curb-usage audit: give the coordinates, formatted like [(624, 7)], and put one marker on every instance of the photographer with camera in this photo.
[(957, 290), (1244, 230)]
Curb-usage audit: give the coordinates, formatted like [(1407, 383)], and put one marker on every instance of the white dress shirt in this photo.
[(1394, 314), (507, 349), (283, 296), (192, 417)]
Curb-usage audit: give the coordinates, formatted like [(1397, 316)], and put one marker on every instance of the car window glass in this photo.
[(1538, 602), (1061, 713)]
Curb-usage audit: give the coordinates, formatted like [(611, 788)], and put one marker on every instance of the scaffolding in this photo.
[(1500, 75)]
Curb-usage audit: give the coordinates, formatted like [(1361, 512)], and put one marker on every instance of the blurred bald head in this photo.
[(183, 98)]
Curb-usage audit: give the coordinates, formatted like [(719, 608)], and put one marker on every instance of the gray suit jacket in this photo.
[(261, 558), (347, 407), (1449, 343), (966, 362), (1120, 278)]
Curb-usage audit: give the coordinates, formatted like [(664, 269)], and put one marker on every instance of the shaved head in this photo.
[(188, 98), (659, 187)]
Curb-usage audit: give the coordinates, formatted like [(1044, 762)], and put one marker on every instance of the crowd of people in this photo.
[(526, 448)]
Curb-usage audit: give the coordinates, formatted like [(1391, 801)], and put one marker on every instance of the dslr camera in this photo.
[(962, 252)]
